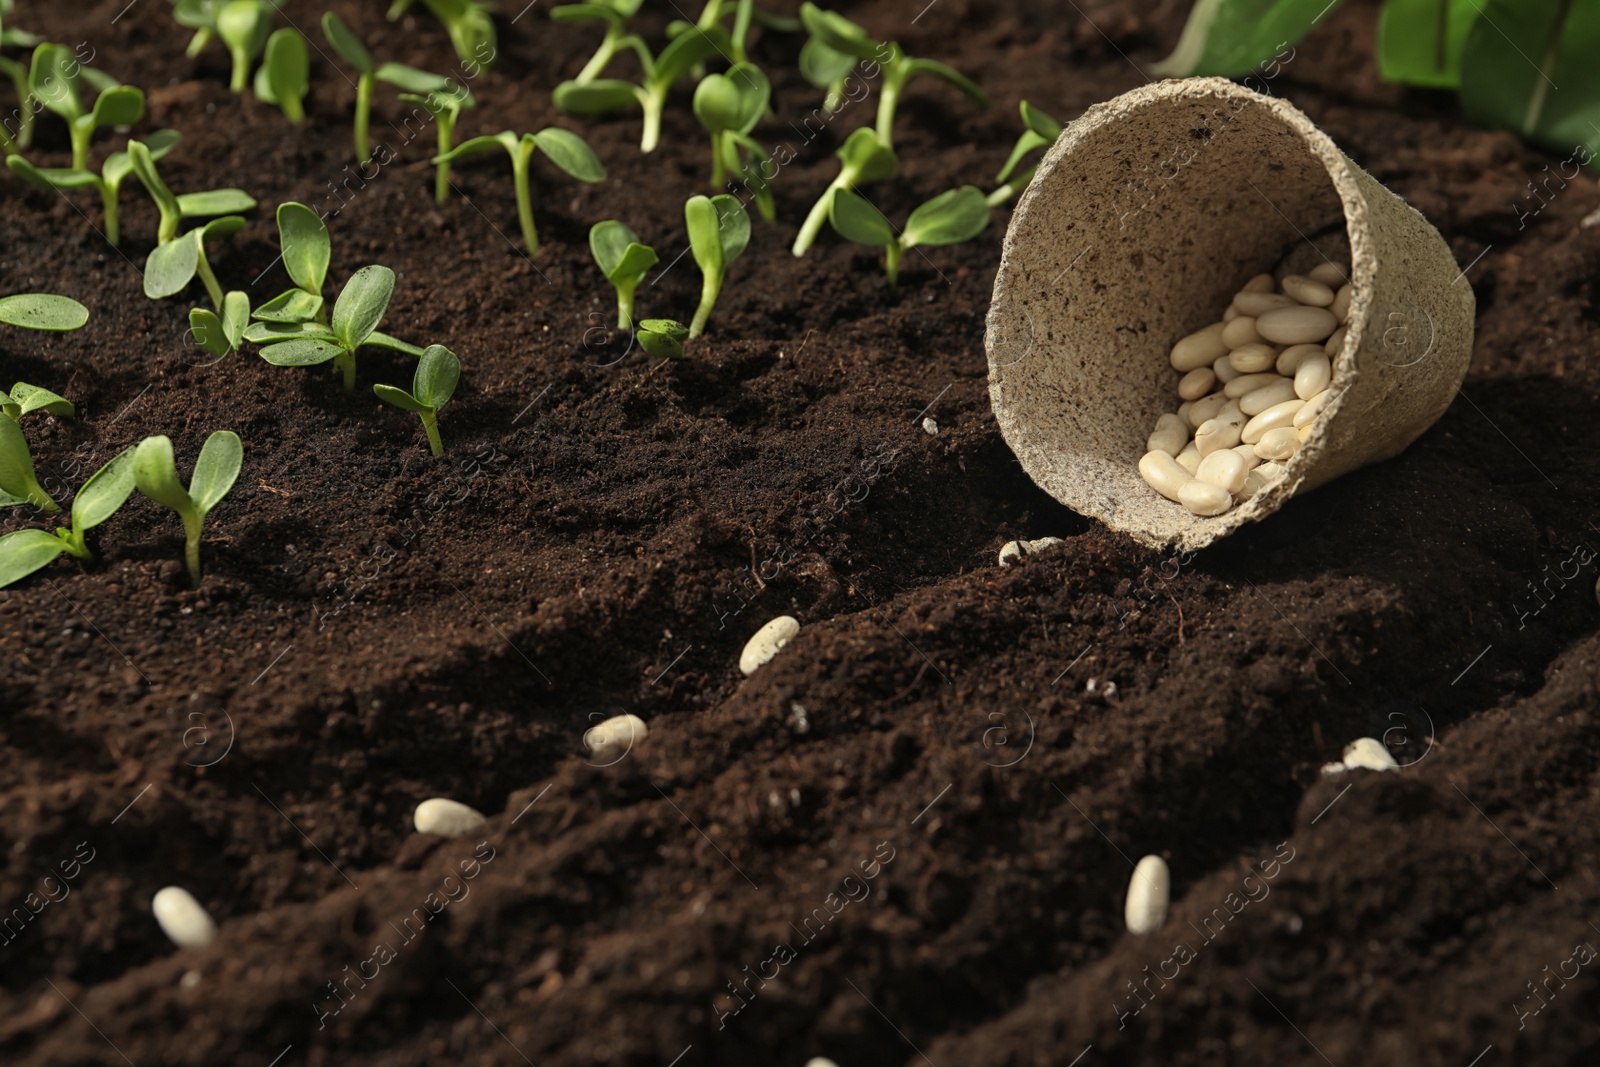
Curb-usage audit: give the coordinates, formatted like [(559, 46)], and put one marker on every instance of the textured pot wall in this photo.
[(1144, 219)]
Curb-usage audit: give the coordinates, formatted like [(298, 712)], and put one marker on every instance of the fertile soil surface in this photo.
[(993, 747)]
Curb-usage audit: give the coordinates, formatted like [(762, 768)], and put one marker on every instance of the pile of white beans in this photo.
[(1252, 386)]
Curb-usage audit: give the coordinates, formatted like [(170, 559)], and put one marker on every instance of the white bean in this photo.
[(1015, 550), (1163, 474), (1335, 344), (1259, 400), (1224, 468), (1296, 325), (1328, 273), (1312, 409), (1253, 358), (1149, 891), (1197, 383), (1205, 408), (1270, 419), (1189, 458), (1261, 283), (1224, 370), (1260, 303), (1306, 431), (1249, 383), (1368, 754), (767, 642), (1341, 302), (618, 731), (1312, 377), (1229, 315), (1248, 454), (1199, 349), (1215, 434), (1307, 290), (1183, 412), (1203, 498), (1269, 471), (1253, 484), (1241, 331), (1278, 443), (1170, 435), (183, 918), (1293, 356), (445, 818)]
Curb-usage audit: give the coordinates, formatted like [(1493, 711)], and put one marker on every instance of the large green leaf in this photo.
[(865, 154), (295, 305), (171, 266), (214, 202), (25, 551), (608, 242), (948, 219), (301, 352), (822, 66), (379, 339), (858, 221), (571, 153), (16, 462), (306, 247), (716, 103), (1419, 41), (155, 473), (122, 106), (286, 70), (55, 178), (438, 371), (42, 311), (839, 33), (410, 79), (1231, 38), (688, 50), (216, 470), (106, 490), (31, 398), (401, 399), (600, 97), (1517, 55), (361, 305), (53, 80), (346, 43), (243, 25)]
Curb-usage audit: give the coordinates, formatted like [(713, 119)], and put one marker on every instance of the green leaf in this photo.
[(301, 352), (864, 153), (155, 474), (266, 333), (216, 470), (346, 43), (694, 47), (438, 371), (477, 146), (223, 228), (663, 338), (106, 490), (306, 246), (950, 75), (42, 311), (53, 80), (398, 397), (122, 106), (839, 33), (608, 242), (361, 305), (410, 79), (719, 229), (207, 330), (716, 103), (858, 221), (733, 226), (1509, 74), (30, 398), (54, 178), (822, 66), (379, 339), (16, 462), (1231, 38), (1419, 41), (600, 97), (1025, 144), (243, 26), (1042, 131), (143, 160), (571, 153), (25, 551), (296, 305), (948, 219), (288, 66), (1040, 123), (170, 267), (119, 165), (214, 202), (637, 259)]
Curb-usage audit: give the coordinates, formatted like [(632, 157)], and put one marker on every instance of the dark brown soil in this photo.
[(377, 627)]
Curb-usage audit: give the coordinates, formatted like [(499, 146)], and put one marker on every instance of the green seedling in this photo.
[(199, 16), (623, 259), (615, 14), (175, 261), (155, 474), (25, 399), (57, 80), (864, 157), (220, 335), (25, 551), (17, 74), (605, 95), (355, 53), (468, 22), (1041, 132), (432, 386), (18, 483), (445, 106), (663, 338), (45, 312), (845, 37), (948, 219), (356, 315), (718, 232), (284, 77), (564, 148), (729, 106), (827, 70), (243, 27), (307, 251), (116, 168)]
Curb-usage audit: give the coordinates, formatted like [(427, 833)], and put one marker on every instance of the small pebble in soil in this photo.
[(182, 918), (446, 818), (1012, 551), (767, 642), (1260, 377), (1367, 753), (619, 731), (798, 718), (1101, 690), (929, 426), (1148, 892), (189, 980)]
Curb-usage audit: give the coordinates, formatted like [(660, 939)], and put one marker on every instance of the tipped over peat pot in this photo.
[(1143, 220)]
